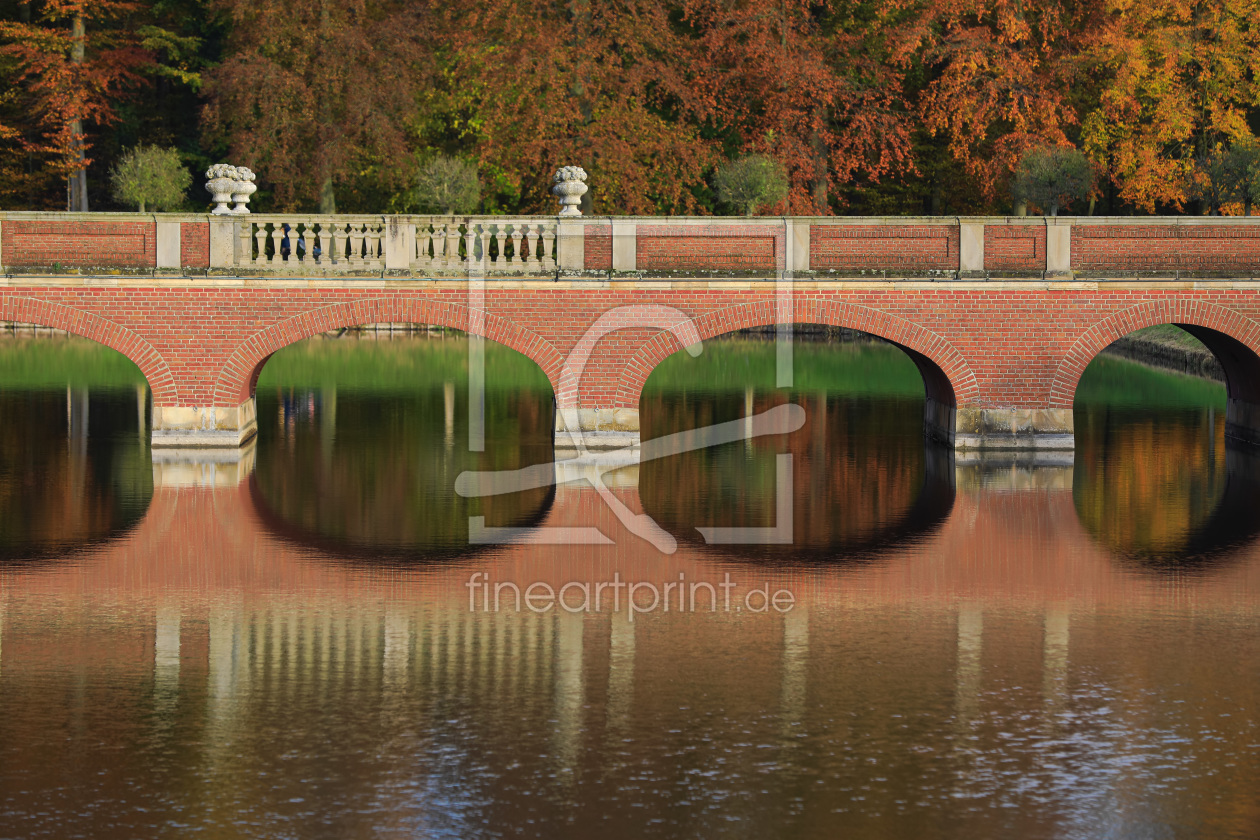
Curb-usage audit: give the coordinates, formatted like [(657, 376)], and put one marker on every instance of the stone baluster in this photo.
[(421, 257), (452, 245), (260, 238), (470, 249), (373, 243), (356, 244), (484, 255), (548, 258), (324, 242), (277, 234), (337, 239), (531, 245), (517, 260), (244, 251), (297, 243), (500, 246)]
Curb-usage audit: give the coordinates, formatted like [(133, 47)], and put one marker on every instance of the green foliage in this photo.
[(1114, 382), (1240, 173), (150, 178), (1052, 177), (449, 186), (868, 368), (396, 365), (749, 183), (58, 362)]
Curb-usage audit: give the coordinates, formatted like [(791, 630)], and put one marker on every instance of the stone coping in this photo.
[(769, 285), (58, 215)]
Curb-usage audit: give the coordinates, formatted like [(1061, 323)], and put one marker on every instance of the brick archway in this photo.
[(1231, 336), (238, 375), (948, 377), (86, 325)]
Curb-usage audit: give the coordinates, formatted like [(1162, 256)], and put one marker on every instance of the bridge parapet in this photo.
[(457, 247)]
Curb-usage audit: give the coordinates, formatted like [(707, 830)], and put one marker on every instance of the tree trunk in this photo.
[(77, 188), (1021, 207), (1092, 200), (327, 197)]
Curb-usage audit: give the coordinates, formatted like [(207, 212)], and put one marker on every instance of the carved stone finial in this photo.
[(221, 183), (569, 188), (242, 190)]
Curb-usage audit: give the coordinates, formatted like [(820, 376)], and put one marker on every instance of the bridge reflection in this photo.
[(61, 488)]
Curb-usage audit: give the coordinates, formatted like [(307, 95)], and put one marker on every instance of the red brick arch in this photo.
[(34, 311), (947, 375), (1192, 313), (240, 372)]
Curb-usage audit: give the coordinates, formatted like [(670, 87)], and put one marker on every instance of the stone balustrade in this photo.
[(825, 249)]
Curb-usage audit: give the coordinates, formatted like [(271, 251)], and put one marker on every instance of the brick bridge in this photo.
[(1001, 315)]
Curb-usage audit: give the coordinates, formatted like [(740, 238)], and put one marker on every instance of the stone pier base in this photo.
[(602, 429), (200, 427), (968, 428)]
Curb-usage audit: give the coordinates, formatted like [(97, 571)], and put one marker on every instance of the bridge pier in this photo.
[(204, 427), (967, 428), (602, 429)]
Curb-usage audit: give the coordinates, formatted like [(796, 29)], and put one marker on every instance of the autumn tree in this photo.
[(807, 83), (312, 95), (994, 78), (72, 60), (528, 87), (1176, 79)]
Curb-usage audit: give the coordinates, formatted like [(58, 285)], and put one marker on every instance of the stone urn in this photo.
[(221, 182), (570, 188), (242, 190)]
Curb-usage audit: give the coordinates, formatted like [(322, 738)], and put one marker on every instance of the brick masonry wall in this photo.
[(79, 244), (194, 244), (709, 248), (1166, 248), (598, 239), (883, 247), (1015, 248), (1001, 344)]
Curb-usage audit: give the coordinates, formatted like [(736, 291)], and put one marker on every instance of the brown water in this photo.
[(286, 646)]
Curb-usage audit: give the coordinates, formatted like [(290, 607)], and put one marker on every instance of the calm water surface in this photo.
[(287, 645)]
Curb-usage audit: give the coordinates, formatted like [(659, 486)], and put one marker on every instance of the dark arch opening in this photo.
[(363, 431), (1165, 473), (863, 477), (75, 470)]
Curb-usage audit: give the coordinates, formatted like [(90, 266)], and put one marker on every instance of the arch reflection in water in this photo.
[(863, 476), (1162, 489), (1157, 481), (360, 459), (74, 468)]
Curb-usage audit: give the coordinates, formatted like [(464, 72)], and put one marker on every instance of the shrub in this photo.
[(448, 186), (1052, 177), (150, 178), (749, 183)]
